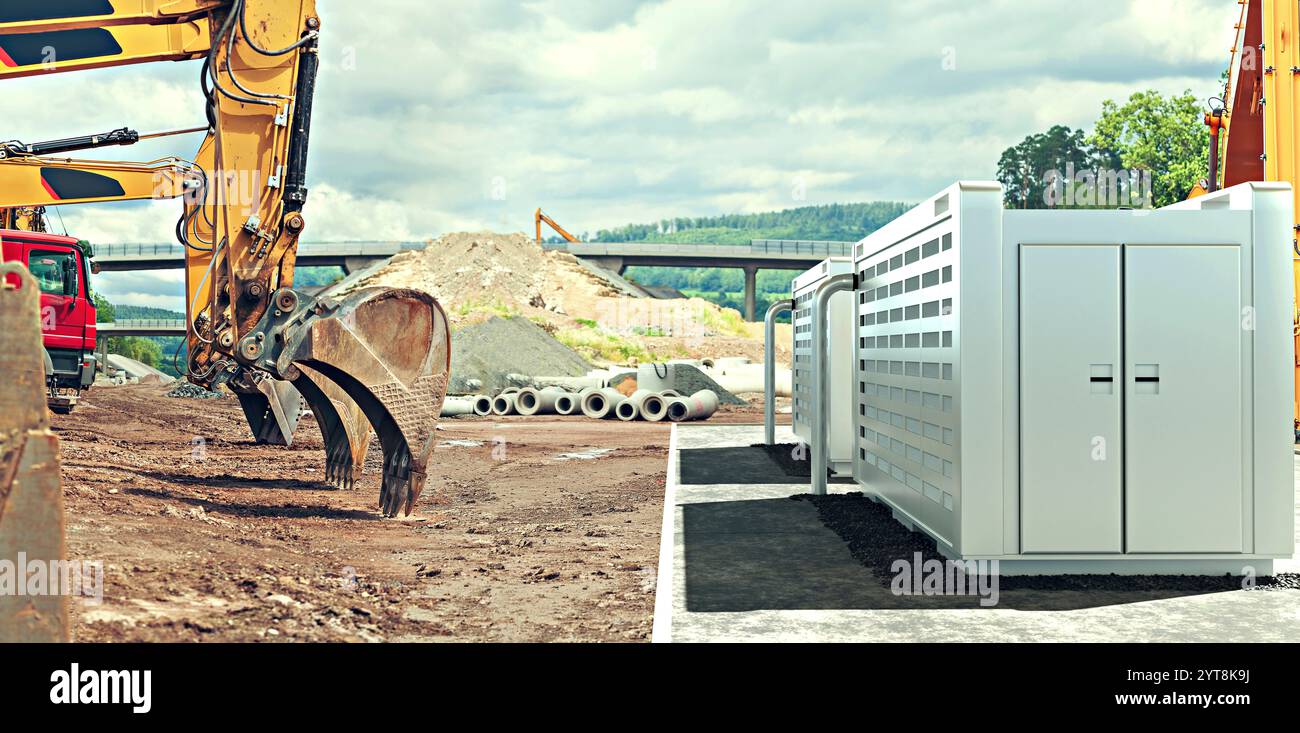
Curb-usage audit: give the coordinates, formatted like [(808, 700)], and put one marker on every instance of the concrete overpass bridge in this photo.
[(348, 255), (758, 254)]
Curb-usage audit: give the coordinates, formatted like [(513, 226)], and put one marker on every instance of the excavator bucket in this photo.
[(31, 493), (388, 349), (271, 406)]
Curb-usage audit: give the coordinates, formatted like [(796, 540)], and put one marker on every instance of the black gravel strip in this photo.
[(876, 540), (784, 454)]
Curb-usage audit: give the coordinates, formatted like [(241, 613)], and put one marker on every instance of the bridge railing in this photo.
[(141, 323), (161, 249), (164, 250), (756, 247), (801, 247)]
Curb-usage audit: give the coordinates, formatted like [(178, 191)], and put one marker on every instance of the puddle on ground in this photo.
[(585, 454), (459, 443)]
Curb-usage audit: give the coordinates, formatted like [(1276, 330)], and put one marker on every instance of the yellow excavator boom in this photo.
[(387, 350)]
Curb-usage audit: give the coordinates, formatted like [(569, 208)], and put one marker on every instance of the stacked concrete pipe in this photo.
[(457, 406), (504, 403), (570, 402), (645, 404), (699, 406), (532, 401), (600, 403), (482, 405)]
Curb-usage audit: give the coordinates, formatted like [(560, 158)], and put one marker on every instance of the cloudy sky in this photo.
[(452, 115)]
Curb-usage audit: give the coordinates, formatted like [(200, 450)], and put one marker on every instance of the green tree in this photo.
[(144, 350), (1024, 168), (1163, 135), (104, 310)]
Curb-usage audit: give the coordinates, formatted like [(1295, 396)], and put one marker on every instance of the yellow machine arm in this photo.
[(387, 350), (31, 179), (26, 182)]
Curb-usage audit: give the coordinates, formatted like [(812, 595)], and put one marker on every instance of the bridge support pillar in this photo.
[(352, 264), (613, 264), (751, 294)]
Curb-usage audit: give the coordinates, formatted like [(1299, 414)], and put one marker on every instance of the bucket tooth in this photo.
[(343, 426), (389, 349), (271, 406)]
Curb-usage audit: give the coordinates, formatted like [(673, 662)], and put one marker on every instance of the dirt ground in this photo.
[(524, 533)]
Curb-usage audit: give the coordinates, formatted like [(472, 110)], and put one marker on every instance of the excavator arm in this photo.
[(1260, 121), (44, 182), (387, 351), (540, 218), (272, 407)]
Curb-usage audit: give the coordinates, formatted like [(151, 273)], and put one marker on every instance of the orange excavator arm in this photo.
[(1260, 120), (539, 218)]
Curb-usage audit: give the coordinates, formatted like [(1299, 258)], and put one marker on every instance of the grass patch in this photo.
[(492, 307), (599, 346), (724, 321)]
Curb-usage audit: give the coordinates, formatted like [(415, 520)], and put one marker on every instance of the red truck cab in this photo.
[(61, 267)]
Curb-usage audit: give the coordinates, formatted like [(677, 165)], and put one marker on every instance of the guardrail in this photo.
[(142, 327), (164, 250), (755, 247)]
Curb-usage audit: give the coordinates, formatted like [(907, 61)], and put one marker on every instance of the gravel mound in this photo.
[(468, 271), (497, 347)]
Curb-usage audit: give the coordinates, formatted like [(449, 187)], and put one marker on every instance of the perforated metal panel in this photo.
[(908, 399)]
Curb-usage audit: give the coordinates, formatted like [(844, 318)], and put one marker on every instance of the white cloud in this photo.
[(434, 117)]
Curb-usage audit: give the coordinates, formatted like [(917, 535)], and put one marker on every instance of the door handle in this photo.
[(1101, 378), (1146, 379)]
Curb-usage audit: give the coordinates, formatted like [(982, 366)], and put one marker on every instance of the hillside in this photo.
[(725, 287), (831, 222)]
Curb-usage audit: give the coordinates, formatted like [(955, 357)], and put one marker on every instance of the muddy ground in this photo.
[(525, 534)]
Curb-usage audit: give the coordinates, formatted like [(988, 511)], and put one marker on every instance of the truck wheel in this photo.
[(60, 409)]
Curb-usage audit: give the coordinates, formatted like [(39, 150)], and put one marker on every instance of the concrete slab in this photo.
[(741, 561)]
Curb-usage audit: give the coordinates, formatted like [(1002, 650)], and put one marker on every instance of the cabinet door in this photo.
[(1183, 383), (1070, 399)]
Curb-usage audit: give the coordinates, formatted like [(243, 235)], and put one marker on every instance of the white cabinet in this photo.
[(1082, 391)]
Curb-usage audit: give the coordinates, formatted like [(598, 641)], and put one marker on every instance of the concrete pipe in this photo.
[(532, 401), (601, 403), (699, 406), (457, 406), (482, 405), (627, 410), (570, 384), (509, 390), (503, 404), (566, 403), (650, 405)]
